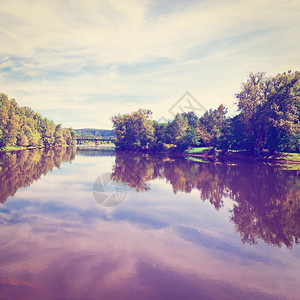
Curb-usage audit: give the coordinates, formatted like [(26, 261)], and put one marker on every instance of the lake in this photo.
[(89, 223)]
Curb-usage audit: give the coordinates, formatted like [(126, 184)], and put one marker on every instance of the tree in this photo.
[(1, 137), (177, 129), (160, 135), (58, 136), (21, 126), (192, 119), (234, 135), (269, 110), (283, 109), (214, 122), (11, 130), (204, 138), (135, 130)]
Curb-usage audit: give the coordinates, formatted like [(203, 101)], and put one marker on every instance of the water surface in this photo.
[(101, 225)]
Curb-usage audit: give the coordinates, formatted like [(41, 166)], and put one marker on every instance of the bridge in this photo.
[(101, 140)]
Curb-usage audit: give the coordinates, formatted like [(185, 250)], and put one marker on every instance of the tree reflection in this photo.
[(266, 198), (136, 169), (22, 168), (267, 204)]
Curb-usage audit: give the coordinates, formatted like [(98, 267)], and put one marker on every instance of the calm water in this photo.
[(99, 225)]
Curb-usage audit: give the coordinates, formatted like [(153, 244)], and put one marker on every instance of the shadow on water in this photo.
[(266, 198)]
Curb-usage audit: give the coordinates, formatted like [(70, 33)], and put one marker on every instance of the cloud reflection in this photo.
[(56, 243)]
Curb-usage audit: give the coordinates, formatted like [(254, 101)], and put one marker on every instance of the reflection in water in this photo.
[(57, 242), (22, 168), (95, 150), (266, 198)]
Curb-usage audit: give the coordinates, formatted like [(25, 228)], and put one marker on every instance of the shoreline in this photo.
[(237, 157), (20, 148), (231, 156)]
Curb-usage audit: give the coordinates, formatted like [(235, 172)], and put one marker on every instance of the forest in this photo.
[(268, 118), (22, 127)]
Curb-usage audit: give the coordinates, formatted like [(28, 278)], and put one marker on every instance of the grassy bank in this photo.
[(197, 150), (242, 155), (18, 148)]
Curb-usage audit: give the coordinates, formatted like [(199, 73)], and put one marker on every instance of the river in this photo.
[(89, 223)]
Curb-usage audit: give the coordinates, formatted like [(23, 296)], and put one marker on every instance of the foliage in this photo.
[(21, 126), (269, 111), (137, 131), (134, 131), (268, 118), (214, 121)]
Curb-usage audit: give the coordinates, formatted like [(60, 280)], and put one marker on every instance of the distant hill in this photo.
[(95, 132)]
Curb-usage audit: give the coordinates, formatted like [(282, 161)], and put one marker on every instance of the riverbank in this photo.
[(197, 153), (18, 148), (213, 154), (242, 155)]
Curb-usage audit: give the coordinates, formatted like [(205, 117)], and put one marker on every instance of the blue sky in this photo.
[(80, 62)]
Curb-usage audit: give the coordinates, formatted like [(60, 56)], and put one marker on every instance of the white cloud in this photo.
[(96, 58)]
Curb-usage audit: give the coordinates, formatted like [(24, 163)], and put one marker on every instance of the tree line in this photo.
[(268, 117), (21, 126)]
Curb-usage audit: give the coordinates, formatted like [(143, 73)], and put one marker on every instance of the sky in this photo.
[(79, 62)]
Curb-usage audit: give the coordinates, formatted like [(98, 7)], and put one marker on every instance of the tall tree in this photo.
[(214, 122), (283, 109), (135, 130), (269, 109), (177, 129)]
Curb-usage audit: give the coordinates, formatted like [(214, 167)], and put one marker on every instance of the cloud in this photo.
[(69, 60)]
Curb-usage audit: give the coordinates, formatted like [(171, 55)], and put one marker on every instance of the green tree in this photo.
[(282, 106), (250, 100), (269, 110), (58, 136), (234, 135), (176, 129), (11, 130), (1, 137), (135, 130), (160, 135), (214, 122), (192, 119), (21, 126), (190, 139), (204, 138)]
